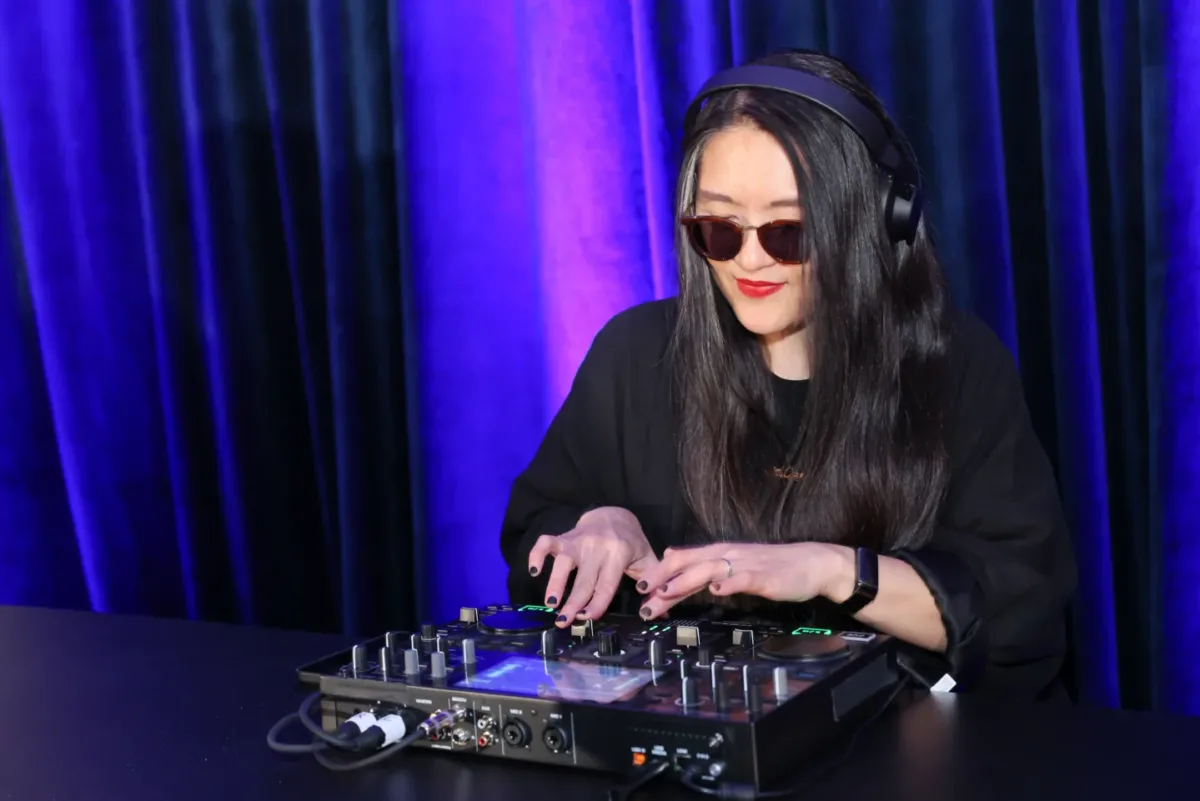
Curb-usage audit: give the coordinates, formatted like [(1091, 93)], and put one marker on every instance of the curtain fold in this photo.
[(289, 291)]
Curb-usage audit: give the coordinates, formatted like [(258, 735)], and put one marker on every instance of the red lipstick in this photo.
[(757, 289)]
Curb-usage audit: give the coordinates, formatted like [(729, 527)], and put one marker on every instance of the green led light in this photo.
[(653, 628), (807, 630), (532, 608)]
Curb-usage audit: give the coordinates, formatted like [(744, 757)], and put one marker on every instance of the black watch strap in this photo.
[(866, 581)]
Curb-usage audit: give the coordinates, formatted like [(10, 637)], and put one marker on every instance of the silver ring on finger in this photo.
[(728, 567)]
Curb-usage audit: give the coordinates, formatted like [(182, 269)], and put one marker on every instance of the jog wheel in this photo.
[(523, 622), (804, 648)]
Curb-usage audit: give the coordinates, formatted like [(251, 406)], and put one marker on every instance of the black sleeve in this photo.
[(1001, 563), (577, 467)]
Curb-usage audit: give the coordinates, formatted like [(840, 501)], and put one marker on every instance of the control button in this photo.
[(743, 637), (468, 614), (428, 631), (703, 656), (392, 640), (609, 644), (687, 636), (468, 651), (857, 636), (549, 646), (583, 628)]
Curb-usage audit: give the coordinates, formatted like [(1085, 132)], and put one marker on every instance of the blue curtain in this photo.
[(290, 290)]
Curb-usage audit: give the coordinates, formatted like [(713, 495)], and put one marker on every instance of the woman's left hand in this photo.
[(784, 572)]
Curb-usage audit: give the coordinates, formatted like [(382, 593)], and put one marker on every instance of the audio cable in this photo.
[(382, 734)]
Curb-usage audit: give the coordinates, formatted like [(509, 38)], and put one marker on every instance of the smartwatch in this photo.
[(866, 581)]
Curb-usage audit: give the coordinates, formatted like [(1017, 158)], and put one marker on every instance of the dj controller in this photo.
[(727, 703)]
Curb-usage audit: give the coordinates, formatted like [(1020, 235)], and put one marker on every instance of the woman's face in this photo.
[(745, 176)]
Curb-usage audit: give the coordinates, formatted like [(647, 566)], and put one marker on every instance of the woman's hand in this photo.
[(788, 572), (605, 544)]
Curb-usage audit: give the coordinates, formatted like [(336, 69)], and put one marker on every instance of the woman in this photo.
[(807, 432)]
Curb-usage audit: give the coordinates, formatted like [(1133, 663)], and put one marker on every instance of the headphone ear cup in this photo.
[(901, 206)]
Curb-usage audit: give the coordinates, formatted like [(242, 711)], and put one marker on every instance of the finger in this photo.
[(693, 579), (546, 545), (607, 585), (739, 582), (684, 585), (581, 590), (674, 561), (657, 606), (564, 563), (637, 568)]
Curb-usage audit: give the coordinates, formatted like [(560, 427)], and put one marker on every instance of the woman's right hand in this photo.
[(605, 544)]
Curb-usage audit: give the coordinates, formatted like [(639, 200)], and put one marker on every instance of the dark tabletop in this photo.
[(134, 709)]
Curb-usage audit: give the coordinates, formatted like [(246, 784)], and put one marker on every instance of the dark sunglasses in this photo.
[(720, 239)]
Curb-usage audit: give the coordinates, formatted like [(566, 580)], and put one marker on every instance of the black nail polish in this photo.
[(562, 618), (642, 586), (644, 612), (533, 571), (551, 601)]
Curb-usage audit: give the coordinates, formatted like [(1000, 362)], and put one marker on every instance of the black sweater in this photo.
[(1000, 564)]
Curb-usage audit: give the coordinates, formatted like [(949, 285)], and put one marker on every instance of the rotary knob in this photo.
[(656, 653), (412, 662), (609, 644), (721, 697), (385, 662), (688, 692), (428, 631), (358, 659), (780, 677)]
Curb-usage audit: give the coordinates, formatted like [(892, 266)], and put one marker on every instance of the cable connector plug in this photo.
[(441, 720), (355, 726)]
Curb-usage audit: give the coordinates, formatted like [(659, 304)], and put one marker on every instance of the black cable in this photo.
[(744, 792), (275, 744), (305, 714), (643, 776), (368, 740), (374, 759)]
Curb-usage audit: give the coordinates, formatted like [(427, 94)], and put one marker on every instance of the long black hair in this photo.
[(869, 464)]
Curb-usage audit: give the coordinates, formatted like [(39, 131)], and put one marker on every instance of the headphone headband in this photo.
[(830, 96), (899, 193)]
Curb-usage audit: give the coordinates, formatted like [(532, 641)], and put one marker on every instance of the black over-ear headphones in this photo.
[(899, 187)]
